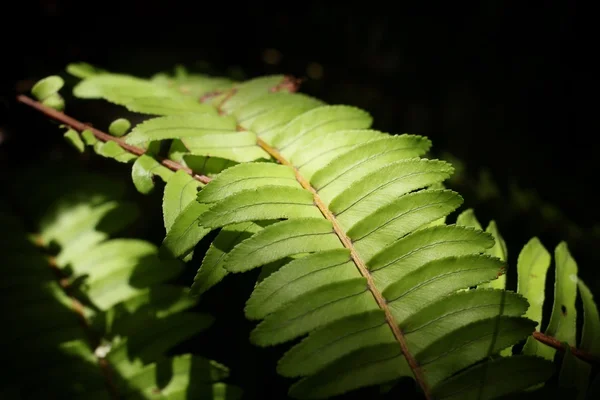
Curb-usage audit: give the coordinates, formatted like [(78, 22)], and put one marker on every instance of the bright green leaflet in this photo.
[(532, 266)]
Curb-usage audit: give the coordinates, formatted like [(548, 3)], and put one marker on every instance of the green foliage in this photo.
[(83, 70), (532, 267), (348, 226), (72, 136), (119, 127), (96, 317), (46, 91)]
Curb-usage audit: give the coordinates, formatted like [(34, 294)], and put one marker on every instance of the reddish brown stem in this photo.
[(555, 343), (207, 96), (105, 137), (289, 83)]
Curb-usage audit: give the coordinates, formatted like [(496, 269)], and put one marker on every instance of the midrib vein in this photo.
[(362, 268)]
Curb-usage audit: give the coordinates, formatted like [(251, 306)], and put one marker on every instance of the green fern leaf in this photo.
[(534, 262), (118, 88), (436, 279), (246, 92), (318, 121), (138, 95), (75, 228), (212, 270), (574, 374), (363, 264), (245, 177), (180, 190), (201, 165), (469, 342), (376, 189), (338, 142), (144, 169), (114, 151), (314, 270), (193, 85), (205, 165), (401, 217), (498, 250), (333, 302), (281, 240), (185, 232), (119, 127), (175, 127), (116, 291), (88, 137), (562, 320), (83, 70), (118, 269), (590, 339), (245, 149), (562, 324), (73, 137), (264, 203), (424, 246), (564, 314), (150, 341), (163, 105), (47, 87), (264, 109), (146, 305), (468, 218), (488, 381), (203, 134), (206, 383), (371, 365), (270, 120), (532, 266), (361, 160)]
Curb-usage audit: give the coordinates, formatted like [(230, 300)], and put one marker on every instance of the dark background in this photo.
[(492, 84)]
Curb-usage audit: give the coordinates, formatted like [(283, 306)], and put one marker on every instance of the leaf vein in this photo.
[(435, 278)]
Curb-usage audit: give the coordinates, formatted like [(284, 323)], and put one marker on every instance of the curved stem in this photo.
[(556, 344), (105, 137)]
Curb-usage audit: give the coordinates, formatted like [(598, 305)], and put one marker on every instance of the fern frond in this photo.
[(102, 328), (361, 205), (561, 332), (348, 226)]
